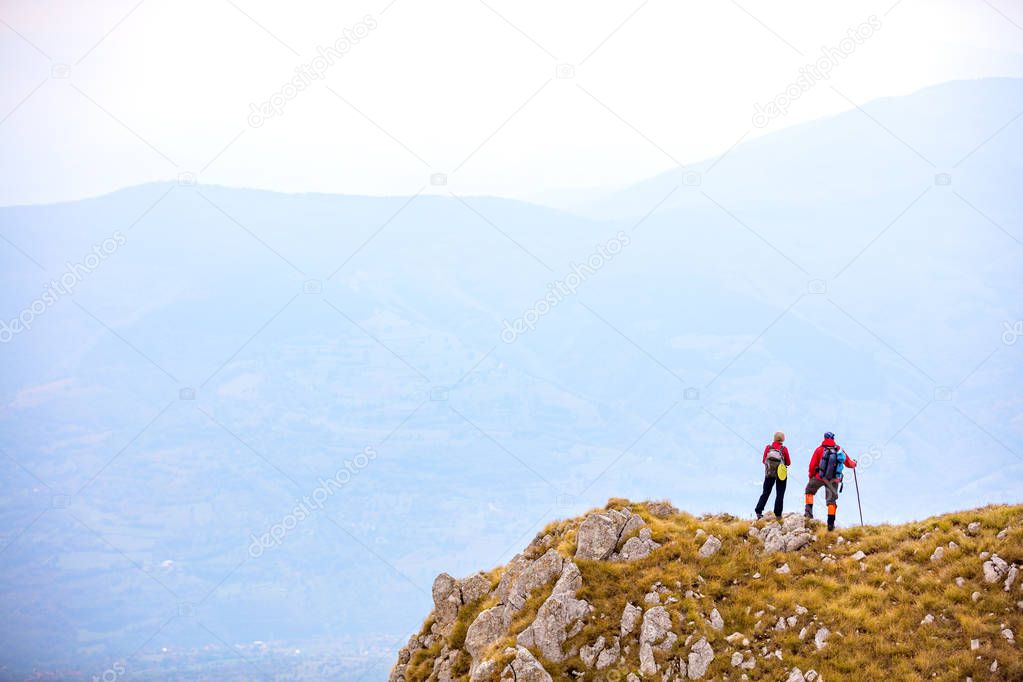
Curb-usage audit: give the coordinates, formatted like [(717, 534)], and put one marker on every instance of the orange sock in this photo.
[(831, 509), (809, 499)]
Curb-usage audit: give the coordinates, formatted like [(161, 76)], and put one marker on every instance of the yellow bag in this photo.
[(783, 472)]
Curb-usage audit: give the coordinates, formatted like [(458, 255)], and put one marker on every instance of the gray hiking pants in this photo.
[(830, 488)]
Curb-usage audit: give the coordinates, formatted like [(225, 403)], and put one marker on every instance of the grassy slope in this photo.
[(874, 617)]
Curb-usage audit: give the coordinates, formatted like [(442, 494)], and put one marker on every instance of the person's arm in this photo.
[(815, 460), (763, 460), (849, 461), (785, 454)]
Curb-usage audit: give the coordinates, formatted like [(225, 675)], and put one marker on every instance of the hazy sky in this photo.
[(110, 93)]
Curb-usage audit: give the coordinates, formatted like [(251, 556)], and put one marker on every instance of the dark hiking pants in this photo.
[(779, 497)]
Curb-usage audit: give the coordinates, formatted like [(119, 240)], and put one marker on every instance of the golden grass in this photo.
[(874, 615)]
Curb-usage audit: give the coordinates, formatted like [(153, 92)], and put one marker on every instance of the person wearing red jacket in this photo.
[(818, 477), (778, 453)]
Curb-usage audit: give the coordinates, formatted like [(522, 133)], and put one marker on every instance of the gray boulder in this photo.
[(1010, 577), (474, 587), (795, 675), (606, 536), (654, 635), (710, 547), (589, 652), (637, 548), (700, 658), (483, 672), (535, 574), (596, 538), (788, 536), (524, 668), (609, 655), (716, 621), (820, 640), (486, 629), (447, 598), (995, 569), (556, 615), (630, 617)]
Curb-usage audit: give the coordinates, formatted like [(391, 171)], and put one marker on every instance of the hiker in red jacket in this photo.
[(826, 470), (774, 454)]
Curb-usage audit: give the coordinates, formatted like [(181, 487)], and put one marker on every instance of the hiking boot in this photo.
[(808, 513), (831, 522), (777, 516), (759, 515)]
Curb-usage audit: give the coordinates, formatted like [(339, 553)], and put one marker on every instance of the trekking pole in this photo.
[(856, 480)]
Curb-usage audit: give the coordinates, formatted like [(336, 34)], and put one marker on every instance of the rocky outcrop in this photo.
[(655, 635), (995, 569), (710, 547), (486, 629), (630, 618), (788, 536), (608, 536), (525, 668), (559, 617), (700, 657), (599, 599)]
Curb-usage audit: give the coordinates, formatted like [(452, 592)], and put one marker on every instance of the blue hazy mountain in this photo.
[(232, 350)]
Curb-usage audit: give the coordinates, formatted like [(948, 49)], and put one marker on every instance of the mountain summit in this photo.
[(642, 591)]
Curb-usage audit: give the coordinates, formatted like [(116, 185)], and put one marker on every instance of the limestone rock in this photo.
[(484, 671), (654, 635), (700, 658), (447, 598), (995, 569), (939, 553), (820, 639), (716, 621), (709, 548), (556, 615), (637, 548), (661, 509), (630, 617), (788, 536), (601, 535), (973, 528), (735, 638), (596, 538), (795, 675), (1010, 577), (442, 665), (525, 668), (474, 587), (609, 655), (486, 629), (589, 652), (533, 575)]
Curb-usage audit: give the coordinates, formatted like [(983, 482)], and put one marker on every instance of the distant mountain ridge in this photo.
[(238, 334)]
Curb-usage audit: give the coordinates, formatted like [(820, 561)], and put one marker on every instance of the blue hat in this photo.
[(829, 436)]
